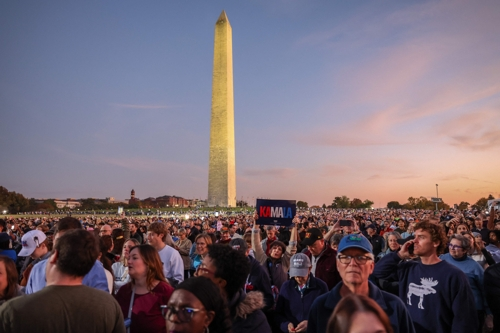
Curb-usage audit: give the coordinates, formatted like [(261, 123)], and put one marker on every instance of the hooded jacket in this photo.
[(246, 313), (258, 280)]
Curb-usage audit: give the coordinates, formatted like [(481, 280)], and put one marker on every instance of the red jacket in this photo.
[(326, 267)]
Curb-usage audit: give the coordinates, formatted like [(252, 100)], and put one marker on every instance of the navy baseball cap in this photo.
[(239, 244), (312, 235), (355, 241)]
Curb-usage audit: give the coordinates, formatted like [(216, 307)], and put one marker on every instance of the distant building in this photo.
[(161, 202), (172, 201), (68, 203), (112, 200)]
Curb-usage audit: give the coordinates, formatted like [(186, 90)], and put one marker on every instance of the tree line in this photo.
[(342, 202), (424, 203), (16, 202)]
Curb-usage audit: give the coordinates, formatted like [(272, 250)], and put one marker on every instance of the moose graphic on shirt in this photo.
[(421, 290)]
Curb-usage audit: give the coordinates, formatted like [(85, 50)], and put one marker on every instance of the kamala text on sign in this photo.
[(275, 212), (281, 212)]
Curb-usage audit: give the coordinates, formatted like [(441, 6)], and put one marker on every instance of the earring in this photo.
[(207, 330)]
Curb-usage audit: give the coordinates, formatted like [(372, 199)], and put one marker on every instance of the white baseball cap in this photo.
[(31, 240)]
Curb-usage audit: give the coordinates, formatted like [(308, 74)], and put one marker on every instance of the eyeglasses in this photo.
[(454, 247), (201, 270), (184, 314), (360, 260)]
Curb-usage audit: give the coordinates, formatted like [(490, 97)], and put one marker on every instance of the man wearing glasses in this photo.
[(355, 263)]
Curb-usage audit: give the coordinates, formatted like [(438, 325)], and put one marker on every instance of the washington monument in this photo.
[(221, 169)]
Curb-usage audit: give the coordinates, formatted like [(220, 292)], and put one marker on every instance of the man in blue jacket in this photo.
[(297, 295), (355, 263), (96, 278)]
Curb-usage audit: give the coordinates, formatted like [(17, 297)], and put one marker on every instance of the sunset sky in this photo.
[(377, 100)]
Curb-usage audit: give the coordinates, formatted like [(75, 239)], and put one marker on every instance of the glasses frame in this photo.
[(168, 310), (360, 260), (454, 247)]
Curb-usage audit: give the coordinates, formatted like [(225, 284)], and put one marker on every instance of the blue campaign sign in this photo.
[(276, 212)]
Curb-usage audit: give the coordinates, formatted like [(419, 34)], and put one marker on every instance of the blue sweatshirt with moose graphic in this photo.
[(438, 297)]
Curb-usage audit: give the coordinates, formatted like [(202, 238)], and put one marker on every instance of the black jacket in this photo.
[(377, 242), (492, 292), (259, 280), (246, 313)]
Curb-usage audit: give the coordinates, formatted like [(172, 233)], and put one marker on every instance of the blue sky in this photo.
[(375, 100)]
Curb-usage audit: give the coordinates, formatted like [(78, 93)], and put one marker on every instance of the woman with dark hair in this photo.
[(141, 298), (118, 240), (358, 313), (143, 230), (494, 246), (8, 280), (106, 262), (108, 244), (229, 269), (401, 226), (197, 306)]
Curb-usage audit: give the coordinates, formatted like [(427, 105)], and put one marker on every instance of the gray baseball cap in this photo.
[(299, 265)]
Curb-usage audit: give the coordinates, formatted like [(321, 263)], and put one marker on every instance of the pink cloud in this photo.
[(477, 130), (483, 141), (461, 176), (431, 69), (405, 176)]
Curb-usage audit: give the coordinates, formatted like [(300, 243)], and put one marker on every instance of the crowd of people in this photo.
[(331, 270)]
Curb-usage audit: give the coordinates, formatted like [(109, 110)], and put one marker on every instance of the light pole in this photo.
[(437, 196)]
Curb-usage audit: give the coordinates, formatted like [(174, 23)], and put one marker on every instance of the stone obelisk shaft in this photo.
[(222, 169)]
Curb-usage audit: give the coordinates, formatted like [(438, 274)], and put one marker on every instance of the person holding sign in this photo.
[(278, 261)]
